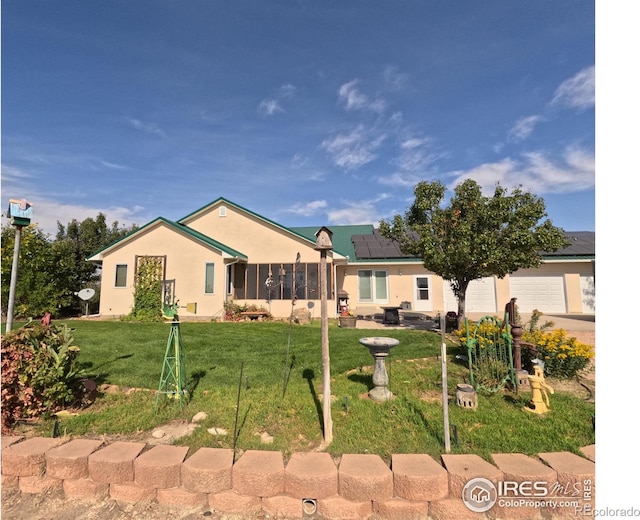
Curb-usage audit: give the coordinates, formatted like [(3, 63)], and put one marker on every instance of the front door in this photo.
[(422, 293)]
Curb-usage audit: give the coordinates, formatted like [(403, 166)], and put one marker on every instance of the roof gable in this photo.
[(304, 233), (179, 228)]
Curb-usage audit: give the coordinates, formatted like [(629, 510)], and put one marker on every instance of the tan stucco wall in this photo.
[(258, 239), (264, 242), (401, 285), (186, 259)]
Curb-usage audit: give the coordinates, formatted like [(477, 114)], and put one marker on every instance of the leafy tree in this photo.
[(50, 272), (474, 236), (76, 242), (41, 284)]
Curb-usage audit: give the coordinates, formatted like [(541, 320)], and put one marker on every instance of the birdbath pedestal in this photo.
[(379, 348)]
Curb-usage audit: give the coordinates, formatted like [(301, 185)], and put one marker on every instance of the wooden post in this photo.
[(323, 244), (326, 363), (445, 392)]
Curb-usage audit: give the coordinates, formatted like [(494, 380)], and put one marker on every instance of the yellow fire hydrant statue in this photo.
[(539, 389)]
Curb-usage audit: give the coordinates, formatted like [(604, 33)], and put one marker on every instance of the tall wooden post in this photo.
[(445, 390), (323, 244)]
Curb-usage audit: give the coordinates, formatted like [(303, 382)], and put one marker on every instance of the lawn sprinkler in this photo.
[(539, 397)]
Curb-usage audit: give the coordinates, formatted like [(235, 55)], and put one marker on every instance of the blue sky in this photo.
[(309, 113)]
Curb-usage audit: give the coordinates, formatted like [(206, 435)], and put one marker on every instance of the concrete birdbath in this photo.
[(379, 348)]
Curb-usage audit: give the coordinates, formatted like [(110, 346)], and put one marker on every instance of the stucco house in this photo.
[(224, 251)]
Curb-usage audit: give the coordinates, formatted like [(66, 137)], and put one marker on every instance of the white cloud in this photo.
[(269, 107), (394, 79), (413, 160), (537, 173), (308, 209), (46, 214), (149, 128), (402, 179), (287, 91), (523, 128), (578, 91), (357, 212), (112, 166), (13, 174), (353, 99), (354, 149)]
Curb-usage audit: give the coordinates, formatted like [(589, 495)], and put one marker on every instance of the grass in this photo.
[(284, 399)]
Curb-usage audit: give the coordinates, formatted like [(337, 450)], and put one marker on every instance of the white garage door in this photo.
[(545, 293), (481, 296)]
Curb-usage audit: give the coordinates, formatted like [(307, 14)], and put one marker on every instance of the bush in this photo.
[(564, 356), (39, 374), (233, 311)]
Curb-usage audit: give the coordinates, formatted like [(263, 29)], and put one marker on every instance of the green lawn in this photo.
[(284, 399)]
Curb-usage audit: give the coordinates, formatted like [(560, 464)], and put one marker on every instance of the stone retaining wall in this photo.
[(309, 485)]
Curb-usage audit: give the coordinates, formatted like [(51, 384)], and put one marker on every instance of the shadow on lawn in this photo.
[(363, 379), (309, 375), (194, 381), (87, 371)]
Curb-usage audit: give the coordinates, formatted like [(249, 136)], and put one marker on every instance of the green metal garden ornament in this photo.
[(173, 381)]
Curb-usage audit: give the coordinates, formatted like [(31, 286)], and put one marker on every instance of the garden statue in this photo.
[(539, 389)]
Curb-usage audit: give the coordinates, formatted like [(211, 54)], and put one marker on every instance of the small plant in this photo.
[(534, 322), (39, 375)]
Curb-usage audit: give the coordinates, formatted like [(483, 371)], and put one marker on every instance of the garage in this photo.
[(544, 293), (481, 296)]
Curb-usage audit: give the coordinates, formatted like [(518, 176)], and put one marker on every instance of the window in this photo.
[(372, 286), (422, 288), (250, 281), (222, 212), (121, 275), (208, 277)]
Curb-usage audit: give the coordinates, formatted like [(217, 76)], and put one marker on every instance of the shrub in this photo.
[(233, 311), (39, 374), (147, 295), (564, 356)]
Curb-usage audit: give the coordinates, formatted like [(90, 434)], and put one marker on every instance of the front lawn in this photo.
[(281, 392)]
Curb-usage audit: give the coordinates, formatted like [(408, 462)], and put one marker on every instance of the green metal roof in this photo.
[(341, 237), (179, 228)]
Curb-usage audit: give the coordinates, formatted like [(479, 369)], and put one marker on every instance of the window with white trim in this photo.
[(209, 272), (373, 286)]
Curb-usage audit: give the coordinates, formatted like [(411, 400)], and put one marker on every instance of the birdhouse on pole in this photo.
[(20, 212), (323, 239)]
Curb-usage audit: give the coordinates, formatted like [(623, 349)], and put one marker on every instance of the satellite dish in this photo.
[(86, 294)]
